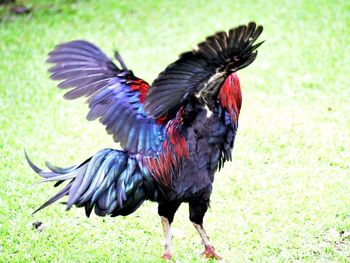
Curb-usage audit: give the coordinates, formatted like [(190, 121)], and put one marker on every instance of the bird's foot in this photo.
[(210, 253), (167, 256)]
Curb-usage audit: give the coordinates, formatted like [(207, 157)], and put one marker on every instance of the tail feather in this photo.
[(97, 178), (53, 199), (93, 165), (110, 182), (59, 170)]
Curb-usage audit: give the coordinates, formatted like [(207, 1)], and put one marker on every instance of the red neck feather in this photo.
[(230, 96)]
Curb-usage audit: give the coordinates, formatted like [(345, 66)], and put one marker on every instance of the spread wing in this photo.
[(115, 95), (203, 70)]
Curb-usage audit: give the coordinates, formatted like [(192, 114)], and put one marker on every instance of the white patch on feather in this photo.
[(209, 112), (212, 78)]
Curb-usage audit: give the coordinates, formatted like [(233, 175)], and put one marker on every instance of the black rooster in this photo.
[(174, 133)]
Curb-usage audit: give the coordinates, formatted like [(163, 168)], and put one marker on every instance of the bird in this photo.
[(174, 133)]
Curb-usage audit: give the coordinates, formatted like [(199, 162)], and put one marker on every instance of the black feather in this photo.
[(222, 52)]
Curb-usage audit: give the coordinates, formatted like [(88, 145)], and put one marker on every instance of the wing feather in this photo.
[(222, 54), (114, 95)]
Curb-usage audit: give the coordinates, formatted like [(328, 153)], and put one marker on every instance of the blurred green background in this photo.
[(285, 196)]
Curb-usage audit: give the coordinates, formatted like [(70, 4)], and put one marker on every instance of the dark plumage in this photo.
[(175, 133)]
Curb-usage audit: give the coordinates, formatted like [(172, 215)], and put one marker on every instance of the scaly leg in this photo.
[(209, 251), (198, 208), (166, 212), (167, 238)]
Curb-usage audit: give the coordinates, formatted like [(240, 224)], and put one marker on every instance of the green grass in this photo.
[(285, 196)]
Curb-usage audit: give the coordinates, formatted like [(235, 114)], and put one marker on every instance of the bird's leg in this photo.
[(166, 212), (198, 208), (209, 251), (167, 238)]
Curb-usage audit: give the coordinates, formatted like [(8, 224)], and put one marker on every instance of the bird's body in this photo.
[(175, 133), (205, 138)]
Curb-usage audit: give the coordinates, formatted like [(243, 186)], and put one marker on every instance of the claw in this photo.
[(210, 253), (167, 256)]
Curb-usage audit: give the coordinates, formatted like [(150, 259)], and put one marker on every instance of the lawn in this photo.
[(284, 197)]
